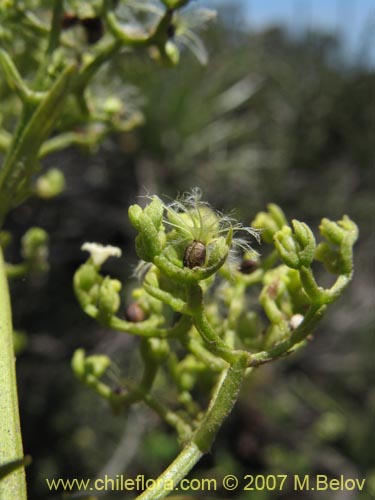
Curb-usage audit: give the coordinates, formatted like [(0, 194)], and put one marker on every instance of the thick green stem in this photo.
[(173, 474), (14, 485), (221, 405), (224, 398)]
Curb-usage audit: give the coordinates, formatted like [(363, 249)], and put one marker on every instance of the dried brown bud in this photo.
[(69, 20), (195, 254), (273, 289), (93, 27), (248, 266), (118, 390), (171, 30), (135, 313)]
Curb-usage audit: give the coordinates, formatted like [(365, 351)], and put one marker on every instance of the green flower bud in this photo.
[(134, 213), (142, 249), (286, 247), (296, 249), (331, 231), (87, 368), (50, 184), (155, 211), (335, 232), (78, 363), (86, 283), (109, 298), (150, 241), (186, 381), (349, 226), (172, 52), (149, 238), (306, 241), (113, 106), (97, 365), (155, 349), (33, 241), (344, 234), (35, 248), (269, 222), (86, 277), (217, 251)]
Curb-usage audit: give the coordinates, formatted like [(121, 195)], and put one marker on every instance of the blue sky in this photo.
[(354, 20)]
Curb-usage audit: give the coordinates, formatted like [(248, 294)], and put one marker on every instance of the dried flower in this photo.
[(100, 253)]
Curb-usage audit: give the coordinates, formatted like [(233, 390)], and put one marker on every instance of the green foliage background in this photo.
[(272, 117)]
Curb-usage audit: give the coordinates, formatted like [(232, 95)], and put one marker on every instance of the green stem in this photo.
[(312, 317), (54, 35), (5, 140), (221, 405), (67, 139), (14, 485), (16, 270), (174, 473)]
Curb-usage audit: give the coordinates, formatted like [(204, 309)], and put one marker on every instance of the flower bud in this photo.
[(296, 249), (50, 184), (134, 212), (155, 211), (335, 232), (78, 363), (286, 247), (269, 222), (86, 276), (155, 349), (306, 242), (218, 251), (172, 52), (97, 365), (35, 248), (85, 367), (331, 231), (109, 298)]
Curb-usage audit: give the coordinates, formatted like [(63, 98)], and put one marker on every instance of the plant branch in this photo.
[(14, 485), (312, 317), (221, 405)]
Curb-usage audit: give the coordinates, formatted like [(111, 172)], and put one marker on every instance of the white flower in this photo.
[(295, 321), (100, 253)]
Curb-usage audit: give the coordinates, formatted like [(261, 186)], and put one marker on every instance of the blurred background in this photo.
[(283, 112)]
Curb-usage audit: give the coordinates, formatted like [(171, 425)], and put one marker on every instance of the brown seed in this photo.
[(248, 266), (195, 254), (135, 313)]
